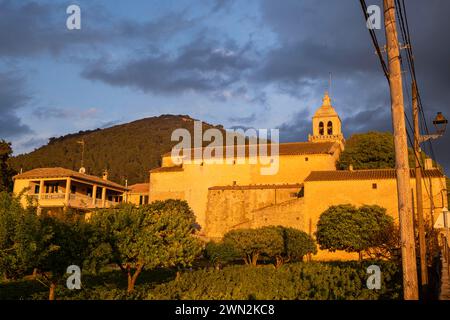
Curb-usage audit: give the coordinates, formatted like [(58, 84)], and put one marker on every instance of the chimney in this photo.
[(105, 174), (350, 167), (429, 164), (82, 170)]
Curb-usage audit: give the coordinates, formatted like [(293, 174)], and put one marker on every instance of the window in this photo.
[(36, 189), (89, 192), (321, 130), (143, 200), (51, 188), (73, 189), (306, 159), (374, 186), (330, 128)]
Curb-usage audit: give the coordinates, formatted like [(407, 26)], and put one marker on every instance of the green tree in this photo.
[(297, 244), (253, 243), (23, 244), (372, 150), (352, 229), (66, 239), (6, 172), (157, 235)]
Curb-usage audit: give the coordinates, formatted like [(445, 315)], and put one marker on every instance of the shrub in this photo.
[(304, 281), (250, 244), (219, 253)]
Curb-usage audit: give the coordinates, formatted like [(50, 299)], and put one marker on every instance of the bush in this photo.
[(304, 281), (310, 281), (219, 253)]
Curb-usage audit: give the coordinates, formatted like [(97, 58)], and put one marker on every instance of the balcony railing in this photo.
[(75, 200)]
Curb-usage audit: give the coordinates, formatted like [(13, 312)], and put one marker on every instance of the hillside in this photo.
[(128, 150)]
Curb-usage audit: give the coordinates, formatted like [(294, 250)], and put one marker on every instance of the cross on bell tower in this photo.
[(326, 123)]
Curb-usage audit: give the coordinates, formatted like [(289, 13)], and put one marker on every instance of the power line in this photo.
[(403, 21), (374, 40), (404, 28)]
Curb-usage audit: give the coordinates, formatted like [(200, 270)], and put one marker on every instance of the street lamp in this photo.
[(440, 123)]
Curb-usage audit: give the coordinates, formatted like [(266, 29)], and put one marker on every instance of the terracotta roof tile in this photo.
[(167, 169), (58, 172), (290, 148), (140, 188), (374, 174), (257, 187)]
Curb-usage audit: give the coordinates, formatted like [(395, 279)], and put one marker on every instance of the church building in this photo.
[(228, 196)]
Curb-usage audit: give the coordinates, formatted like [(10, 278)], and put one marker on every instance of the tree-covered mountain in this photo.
[(127, 151)]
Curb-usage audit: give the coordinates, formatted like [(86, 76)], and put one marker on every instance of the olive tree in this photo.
[(297, 244), (253, 243), (345, 227), (143, 238)]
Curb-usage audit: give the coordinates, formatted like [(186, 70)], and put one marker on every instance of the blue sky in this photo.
[(257, 63)]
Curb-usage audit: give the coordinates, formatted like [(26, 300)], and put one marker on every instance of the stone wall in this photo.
[(236, 207)]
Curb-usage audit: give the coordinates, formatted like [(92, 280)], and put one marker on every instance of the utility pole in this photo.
[(419, 197), (410, 286)]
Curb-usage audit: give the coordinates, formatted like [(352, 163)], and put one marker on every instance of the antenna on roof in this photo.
[(82, 169), (329, 85)]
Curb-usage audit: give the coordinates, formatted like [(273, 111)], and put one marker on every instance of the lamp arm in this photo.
[(424, 138)]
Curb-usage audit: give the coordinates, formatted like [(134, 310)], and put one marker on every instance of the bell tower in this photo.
[(326, 123)]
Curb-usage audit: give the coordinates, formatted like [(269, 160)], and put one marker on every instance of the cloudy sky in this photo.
[(252, 63)]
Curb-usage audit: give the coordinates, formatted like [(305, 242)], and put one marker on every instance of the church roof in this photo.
[(285, 149), (258, 186), (167, 169), (59, 172), (372, 174), (326, 110)]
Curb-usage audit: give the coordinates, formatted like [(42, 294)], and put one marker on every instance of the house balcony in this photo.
[(78, 201)]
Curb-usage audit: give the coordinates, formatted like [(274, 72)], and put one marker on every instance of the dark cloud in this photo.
[(248, 119), (61, 113), (45, 113), (33, 143), (317, 37), (297, 129), (202, 65), (12, 98), (219, 5), (41, 28)]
